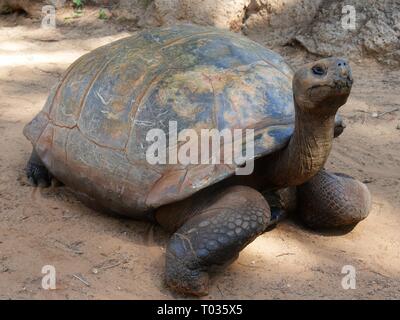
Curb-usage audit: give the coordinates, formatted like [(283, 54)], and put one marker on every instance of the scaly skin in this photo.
[(221, 229), (326, 201), (331, 200)]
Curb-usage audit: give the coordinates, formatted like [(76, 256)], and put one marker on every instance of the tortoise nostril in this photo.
[(344, 71)]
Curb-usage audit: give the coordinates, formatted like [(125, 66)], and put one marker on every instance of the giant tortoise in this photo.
[(92, 136)]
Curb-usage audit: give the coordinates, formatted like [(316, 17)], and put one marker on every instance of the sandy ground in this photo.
[(120, 258)]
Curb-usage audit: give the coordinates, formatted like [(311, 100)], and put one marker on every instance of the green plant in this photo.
[(102, 14), (78, 4), (6, 9)]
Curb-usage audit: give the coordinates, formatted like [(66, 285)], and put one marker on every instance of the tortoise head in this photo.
[(322, 86)]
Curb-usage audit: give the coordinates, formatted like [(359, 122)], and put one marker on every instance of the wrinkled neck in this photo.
[(306, 153)]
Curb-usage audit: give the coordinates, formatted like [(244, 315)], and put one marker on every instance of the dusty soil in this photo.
[(120, 258)]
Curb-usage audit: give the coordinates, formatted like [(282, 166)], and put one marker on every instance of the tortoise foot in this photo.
[(214, 236), (184, 276)]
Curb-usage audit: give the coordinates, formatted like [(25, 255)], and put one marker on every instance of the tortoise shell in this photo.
[(91, 133)]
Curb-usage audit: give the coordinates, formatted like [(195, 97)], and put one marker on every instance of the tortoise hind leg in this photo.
[(37, 173), (216, 231), (331, 200)]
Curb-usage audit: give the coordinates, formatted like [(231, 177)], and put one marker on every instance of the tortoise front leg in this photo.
[(330, 200), (37, 173), (216, 231)]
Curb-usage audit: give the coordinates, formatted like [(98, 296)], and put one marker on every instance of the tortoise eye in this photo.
[(318, 70)]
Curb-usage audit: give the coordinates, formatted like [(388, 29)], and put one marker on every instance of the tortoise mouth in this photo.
[(338, 87), (344, 84)]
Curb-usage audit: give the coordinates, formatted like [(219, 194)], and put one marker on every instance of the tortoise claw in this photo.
[(184, 280), (37, 173)]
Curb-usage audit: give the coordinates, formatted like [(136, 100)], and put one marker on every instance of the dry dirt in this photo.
[(123, 259)]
